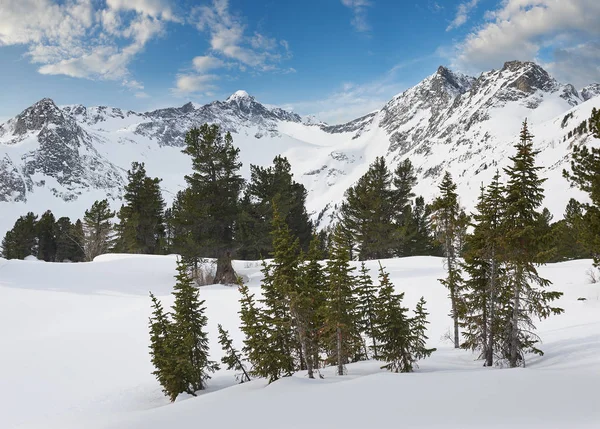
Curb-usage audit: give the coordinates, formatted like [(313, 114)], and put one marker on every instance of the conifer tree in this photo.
[(418, 327), (46, 233), (448, 224), (367, 306), (232, 357), (69, 246), (211, 203), (521, 245), (189, 341), (97, 229), (393, 328), (341, 326), (21, 240), (160, 352), (141, 219), (312, 296), (404, 181)]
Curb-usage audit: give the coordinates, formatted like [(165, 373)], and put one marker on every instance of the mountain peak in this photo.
[(239, 95)]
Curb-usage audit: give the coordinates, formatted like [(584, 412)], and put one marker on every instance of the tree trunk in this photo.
[(489, 359), (225, 273), (340, 357), (514, 332)]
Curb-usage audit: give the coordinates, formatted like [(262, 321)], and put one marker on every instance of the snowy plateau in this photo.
[(64, 158), (74, 355)]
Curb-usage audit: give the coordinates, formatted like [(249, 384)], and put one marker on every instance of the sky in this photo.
[(336, 59)]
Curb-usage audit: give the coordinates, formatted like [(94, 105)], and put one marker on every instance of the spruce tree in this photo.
[(232, 358), (341, 327), (21, 241), (404, 181), (160, 352), (69, 246), (189, 341), (367, 306), (418, 332), (46, 233), (141, 219), (211, 203), (521, 245), (448, 225), (97, 229)]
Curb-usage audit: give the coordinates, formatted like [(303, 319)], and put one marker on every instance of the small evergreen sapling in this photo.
[(232, 356)]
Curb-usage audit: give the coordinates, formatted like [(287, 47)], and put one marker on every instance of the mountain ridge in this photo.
[(52, 154)]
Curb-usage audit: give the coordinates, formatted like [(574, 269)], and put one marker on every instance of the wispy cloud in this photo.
[(83, 38), (359, 11), (522, 29), (462, 14), (230, 46)]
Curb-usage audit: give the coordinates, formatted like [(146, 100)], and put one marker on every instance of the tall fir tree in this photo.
[(160, 351), (521, 245), (46, 233), (189, 341), (21, 241), (341, 327), (97, 230), (211, 203), (232, 358), (367, 307), (449, 226), (141, 226), (404, 181)]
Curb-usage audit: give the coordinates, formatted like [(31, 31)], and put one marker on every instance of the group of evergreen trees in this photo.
[(313, 315), (46, 238), (496, 291), (381, 217)]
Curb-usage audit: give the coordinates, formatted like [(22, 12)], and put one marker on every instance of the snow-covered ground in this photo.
[(74, 354)]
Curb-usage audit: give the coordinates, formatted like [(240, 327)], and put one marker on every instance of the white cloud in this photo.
[(462, 14), (207, 62), (359, 10), (521, 29), (83, 38), (193, 84)]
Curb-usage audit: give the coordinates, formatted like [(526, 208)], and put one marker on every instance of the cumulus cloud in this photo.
[(359, 11), (522, 29), (462, 14), (83, 38), (193, 83)]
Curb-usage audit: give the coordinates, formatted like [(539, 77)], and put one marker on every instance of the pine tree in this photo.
[(367, 213), (21, 240), (523, 197), (367, 306), (97, 230), (404, 181), (211, 203), (313, 297), (341, 326), (69, 246), (46, 233), (448, 224), (418, 328), (268, 185), (189, 341), (393, 328), (232, 357), (141, 219), (160, 352)]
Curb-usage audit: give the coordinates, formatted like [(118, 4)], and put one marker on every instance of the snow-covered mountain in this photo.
[(65, 157)]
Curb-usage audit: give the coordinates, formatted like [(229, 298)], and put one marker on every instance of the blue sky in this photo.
[(337, 59)]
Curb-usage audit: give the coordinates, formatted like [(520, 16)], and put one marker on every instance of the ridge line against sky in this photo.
[(336, 59)]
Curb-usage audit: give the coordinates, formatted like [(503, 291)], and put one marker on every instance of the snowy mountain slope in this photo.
[(76, 154), (76, 356)]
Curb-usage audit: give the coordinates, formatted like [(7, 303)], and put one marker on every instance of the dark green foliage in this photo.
[(160, 350), (204, 215), (450, 225), (188, 339), (367, 307), (341, 333), (46, 233), (367, 213), (585, 175), (569, 235), (419, 239), (419, 332), (268, 185), (97, 229), (69, 240), (405, 229), (21, 240), (232, 358), (141, 226), (521, 251)]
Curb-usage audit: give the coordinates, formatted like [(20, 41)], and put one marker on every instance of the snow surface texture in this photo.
[(64, 158), (75, 355)]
